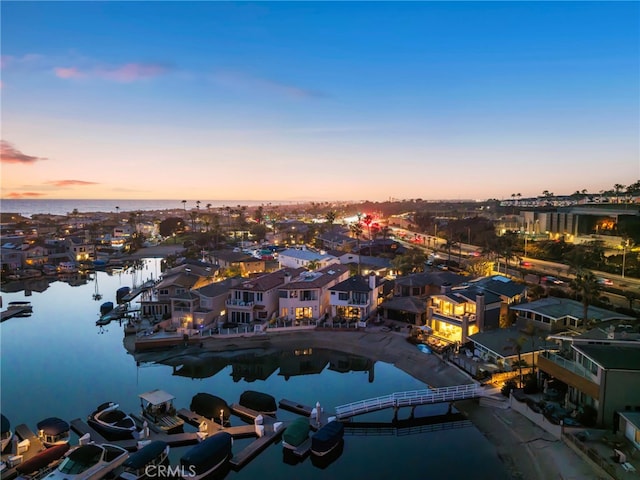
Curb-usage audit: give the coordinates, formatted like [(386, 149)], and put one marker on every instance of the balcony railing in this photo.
[(239, 303), (571, 365)]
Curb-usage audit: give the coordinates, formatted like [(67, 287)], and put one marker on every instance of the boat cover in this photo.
[(42, 459), (258, 401), (325, 438), (145, 455), (156, 397), (5, 425), (209, 406), (53, 426), (297, 432), (209, 452)]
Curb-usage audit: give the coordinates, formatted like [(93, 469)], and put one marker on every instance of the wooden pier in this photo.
[(23, 432), (138, 290), (14, 311)]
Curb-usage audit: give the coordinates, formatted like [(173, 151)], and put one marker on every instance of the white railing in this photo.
[(410, 398)]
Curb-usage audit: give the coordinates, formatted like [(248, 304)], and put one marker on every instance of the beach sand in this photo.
[(528, 452)]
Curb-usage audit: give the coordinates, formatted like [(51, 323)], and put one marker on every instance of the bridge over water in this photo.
[(409, 399)]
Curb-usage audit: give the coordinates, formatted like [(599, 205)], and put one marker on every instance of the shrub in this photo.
[(508, 386)]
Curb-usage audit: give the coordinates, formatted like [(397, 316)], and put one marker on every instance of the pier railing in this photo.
[(408, 399)]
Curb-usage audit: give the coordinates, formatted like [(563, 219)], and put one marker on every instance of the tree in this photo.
[(409, 262), (356, 231), (367, 221), (184, 205), (516, 345), (330, 217), (171, 225), (587, 286), (313, 265)]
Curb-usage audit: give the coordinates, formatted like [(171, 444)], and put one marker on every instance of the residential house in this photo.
[(203, 307), (510, 292), (355, 299), (337, 238), (303, 257), (11, 257), (553, 314), (257, 299), (244, 263), (602, 374), (629, 425), (307, 296), (426, 283), (80, 248), (412, 310), (457, 314), (174, 283), (121, 233)]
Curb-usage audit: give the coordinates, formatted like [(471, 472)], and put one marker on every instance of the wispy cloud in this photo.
[(10, 154), (127, 73), (24, 195), (27, 60), (243, 81), (70, 183)]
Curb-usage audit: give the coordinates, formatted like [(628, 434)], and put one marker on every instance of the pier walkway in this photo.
[(138, 290), (409, 399), (15, 311)]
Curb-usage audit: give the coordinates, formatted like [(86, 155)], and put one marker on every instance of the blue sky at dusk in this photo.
[(318, 101)]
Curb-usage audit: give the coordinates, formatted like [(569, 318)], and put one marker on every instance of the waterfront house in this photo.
[(603, 374), (80, 249), (355, 299), (412, 310), (303, 257), (426, 283), (203, 307), (553, 314), (457, 314), (171, 285), (307, 296), (256, 299), (337, 238)]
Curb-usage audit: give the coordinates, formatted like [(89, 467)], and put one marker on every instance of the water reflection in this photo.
[(260, 364)]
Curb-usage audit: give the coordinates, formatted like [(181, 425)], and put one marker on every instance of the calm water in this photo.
[(63, 207), (58, 363)]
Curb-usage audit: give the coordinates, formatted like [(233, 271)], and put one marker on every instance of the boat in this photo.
[(121, 293), (296, 433), (157, 408), (89, 462), (6, 434), (144, 463), (53, 431), (207, 456), (43, 462), (111, 421), (101, 322), (327, 438), (67, 267), (99, 264), (211, 407), (106, 307), (258, 401)]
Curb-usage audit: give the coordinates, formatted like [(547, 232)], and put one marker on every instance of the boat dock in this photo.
[(138, 291), (22, 432), (15, 311)]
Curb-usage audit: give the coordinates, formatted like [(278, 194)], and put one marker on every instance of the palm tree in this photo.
[(330, 217), (356, 231), (367, 220), (618, 188), (516, 345), (587, 286), (184, 205)]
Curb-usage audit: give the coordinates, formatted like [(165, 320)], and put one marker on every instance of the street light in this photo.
[(221, 418), (624, 254)]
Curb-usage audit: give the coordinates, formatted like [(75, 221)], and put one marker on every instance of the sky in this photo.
[(319, 101)]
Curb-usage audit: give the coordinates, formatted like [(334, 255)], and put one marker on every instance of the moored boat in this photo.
[(296, 433), (157, 408), (89, 462), (106, 307), (121, 293), (258, 401), (6, 434), (112, 421), (207, 456), (211, 407), (67, 267), (144, 463), (53, 431), (42, 462), (327, 438)]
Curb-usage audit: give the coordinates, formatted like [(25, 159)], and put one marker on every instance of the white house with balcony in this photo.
[(355, 299), (307, 297), (257, 299)]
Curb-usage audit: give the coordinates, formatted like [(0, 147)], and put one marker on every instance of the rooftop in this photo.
[(561, 307)]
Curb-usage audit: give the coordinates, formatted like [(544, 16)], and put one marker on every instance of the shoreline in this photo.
[(526, 451)]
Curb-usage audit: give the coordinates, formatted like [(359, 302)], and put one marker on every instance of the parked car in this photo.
[(605, 281), (553, 280)]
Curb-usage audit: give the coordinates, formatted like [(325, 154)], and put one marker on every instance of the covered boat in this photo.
[(327, 438), (258, 401), (121, 293), (89, 462), (160, 411), (6, 433), (207, 456), (36, 465), (143, 464), (53, 431), (106, 307), (111, 421), (211, 407), (296, 433)]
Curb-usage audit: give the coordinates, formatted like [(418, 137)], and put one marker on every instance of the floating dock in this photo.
[(15, 311), (23, 432), (137, 291)]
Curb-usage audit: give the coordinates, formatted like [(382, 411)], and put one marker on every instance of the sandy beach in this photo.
[(528, 452)]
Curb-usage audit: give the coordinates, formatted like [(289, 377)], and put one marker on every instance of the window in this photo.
[(283, 294), (308, 295), (258, 296), (343, 296)]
